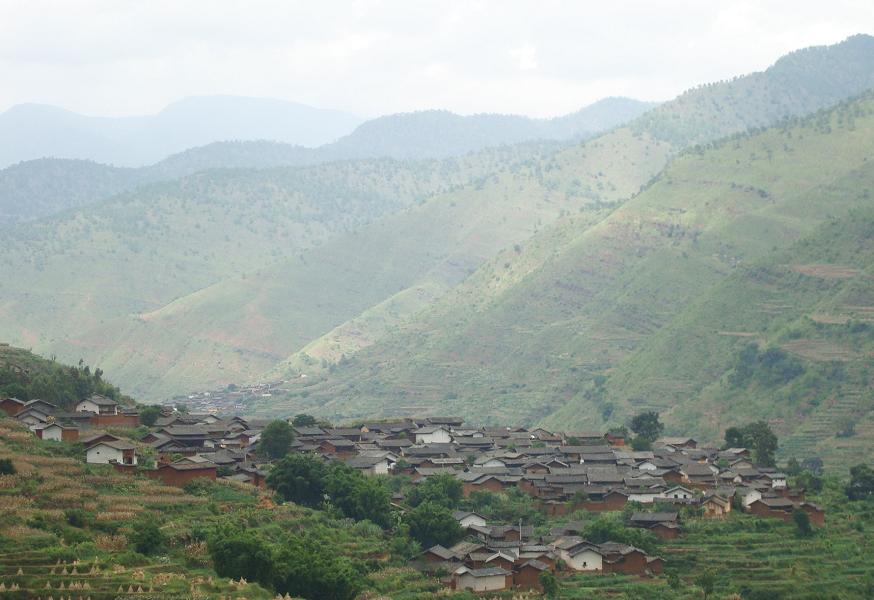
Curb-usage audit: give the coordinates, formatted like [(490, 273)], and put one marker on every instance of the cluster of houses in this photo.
[(497, 557), (52, 422), (229, 400), (562, 472)]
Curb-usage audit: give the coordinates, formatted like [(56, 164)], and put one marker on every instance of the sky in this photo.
[(372, 57)]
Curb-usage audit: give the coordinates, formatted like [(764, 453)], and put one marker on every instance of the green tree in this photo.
[(149, 414), (647, 426), (444, 489), (802, 522), (432, 524), (237, 554), (357, 496), (734, 438), (809, 481), (147, 537), (861, 484), (762, 441), (640, 444), (303, 420), (276, 439), (549, 584), (299, 478)]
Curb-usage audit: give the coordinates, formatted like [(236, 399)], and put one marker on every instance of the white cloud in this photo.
[(525, 57), (377, 56)]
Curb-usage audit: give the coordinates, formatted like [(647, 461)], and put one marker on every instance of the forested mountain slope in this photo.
[(202, 282), (579, 338), (241, 327)]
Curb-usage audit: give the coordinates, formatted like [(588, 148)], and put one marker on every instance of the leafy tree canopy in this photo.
[(149, 414), (647, 425), (299, 478), (756, 436), (276, 439), (443, 489), (861, 484), (432, 523)]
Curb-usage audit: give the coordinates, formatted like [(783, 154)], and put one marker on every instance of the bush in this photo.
[(6, 467), (802, 522), (549, 584), (236, 554), (77, 517), (308, 568), (147, 537)]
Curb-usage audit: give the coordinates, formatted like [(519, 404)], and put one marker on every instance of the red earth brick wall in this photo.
[(10, 408), (527, 578), (170, 476), (115, 420)]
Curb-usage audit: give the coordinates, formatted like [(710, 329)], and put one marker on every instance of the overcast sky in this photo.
[(374, 57)]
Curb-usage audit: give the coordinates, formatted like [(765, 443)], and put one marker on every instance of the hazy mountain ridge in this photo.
[(33, 131), (39, 188)]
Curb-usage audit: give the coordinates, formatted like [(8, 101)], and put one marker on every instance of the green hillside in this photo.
[(241, 327), (139, 251), (601, 302), (799, 83), (230, 276), (26, 376)]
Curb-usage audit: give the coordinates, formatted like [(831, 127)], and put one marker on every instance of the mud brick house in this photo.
[(180, 473), (481, 580), (578, 554), (527, 575), (57, 433), (109, 452), (99, 405), (625, 559), (663, 524), (11, 406), (716, 506)]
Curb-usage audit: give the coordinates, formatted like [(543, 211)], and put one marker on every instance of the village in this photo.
[(562, 473)]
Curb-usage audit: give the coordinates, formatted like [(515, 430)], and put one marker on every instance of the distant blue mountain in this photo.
[(32, 131)]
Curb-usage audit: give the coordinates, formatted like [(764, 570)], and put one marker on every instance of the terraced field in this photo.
[(766, 559), (42, 554)]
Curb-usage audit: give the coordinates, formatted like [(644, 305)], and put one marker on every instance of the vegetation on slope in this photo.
[(26, 376), (603, 297)]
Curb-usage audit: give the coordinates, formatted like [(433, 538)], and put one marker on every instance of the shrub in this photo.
[(6, 467), (147, 537), (236, 554), (802, 522)]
